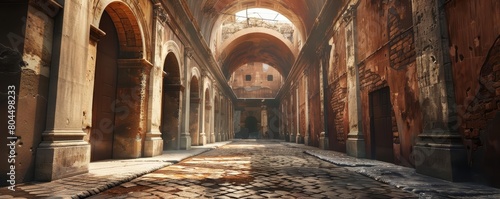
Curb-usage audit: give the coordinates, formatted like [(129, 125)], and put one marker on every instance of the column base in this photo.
[(292, 138), (306, 140), (444, 163), (56, 162), (185, 142), (217, 138), (127, 148), (203, 140), (299, 139), (323, 141), (355, 147), (212, 138), (153, 145)]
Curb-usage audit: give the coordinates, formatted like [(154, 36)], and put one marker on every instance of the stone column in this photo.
[(202, 118), (325, 52), (355, 144), (218, 119), (306, 115), (263, 119), (230, 121), (153, 144), (439, 152), (185, 139), (291, 116), (63, 152), (297, 115), (212, 113)]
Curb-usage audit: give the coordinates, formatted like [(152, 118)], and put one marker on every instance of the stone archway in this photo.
[(194, 129), (116, 99), (169, 126), (103, 116)]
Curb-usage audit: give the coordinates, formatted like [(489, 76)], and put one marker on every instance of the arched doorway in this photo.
[(193, 111), (251, 125), (170, 103), (105, 79), (116, 99)]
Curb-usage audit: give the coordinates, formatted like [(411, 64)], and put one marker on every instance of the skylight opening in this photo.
[(262, 14)]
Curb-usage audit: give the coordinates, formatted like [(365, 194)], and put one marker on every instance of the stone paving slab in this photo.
[(403, 177), (103, 175)]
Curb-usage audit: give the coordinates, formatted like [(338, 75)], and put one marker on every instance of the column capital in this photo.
[(161, 14), (350, 14), (188, 52)]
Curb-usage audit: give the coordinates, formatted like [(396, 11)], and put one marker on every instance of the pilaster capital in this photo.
[(161, 14), (350, 14), (188, 52)]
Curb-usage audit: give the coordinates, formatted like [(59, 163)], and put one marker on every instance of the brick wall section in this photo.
[(337, 104), (474, 29), (401, 44)]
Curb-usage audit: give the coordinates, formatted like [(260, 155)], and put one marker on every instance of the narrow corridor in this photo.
[(254, 169)]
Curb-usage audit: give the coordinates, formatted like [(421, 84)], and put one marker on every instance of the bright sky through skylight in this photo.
[(261, 13)]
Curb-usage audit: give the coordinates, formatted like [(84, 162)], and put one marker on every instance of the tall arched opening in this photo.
[(116, 99), (194, 95), (170, 103)]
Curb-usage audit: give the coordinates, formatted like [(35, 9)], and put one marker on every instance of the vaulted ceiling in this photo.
[(257, 46)]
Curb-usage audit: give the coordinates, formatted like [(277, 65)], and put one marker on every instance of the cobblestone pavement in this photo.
[(102, 175), (254, 169)]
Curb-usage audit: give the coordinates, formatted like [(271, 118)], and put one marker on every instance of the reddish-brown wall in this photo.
[(336, 92), (474, 31), (385, 57)]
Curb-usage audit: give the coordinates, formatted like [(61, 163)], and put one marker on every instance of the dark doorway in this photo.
[(170, 103), (251, 124), (381, 125), (103, 116)]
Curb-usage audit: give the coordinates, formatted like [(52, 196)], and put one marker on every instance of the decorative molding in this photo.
[(95, 33), (49, 7), (134, 63), (188, 51), (161, 14), (350, 14)]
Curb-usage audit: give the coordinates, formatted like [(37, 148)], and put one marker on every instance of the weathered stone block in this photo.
[(444, 163), (153, 147), (54, 163)]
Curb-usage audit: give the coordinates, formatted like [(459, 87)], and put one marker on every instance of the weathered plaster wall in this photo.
[(314, 112), (336, 93), (30, 34), (474, 30), (386, 57)]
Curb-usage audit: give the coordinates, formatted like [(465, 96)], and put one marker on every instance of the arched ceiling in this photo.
[(257, 47), (209, 13)]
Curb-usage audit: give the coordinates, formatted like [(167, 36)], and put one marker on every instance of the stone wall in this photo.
[(31, 35)]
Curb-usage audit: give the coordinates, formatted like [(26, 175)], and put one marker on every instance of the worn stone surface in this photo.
[(406, 178), (255, 169), (102, 175)]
